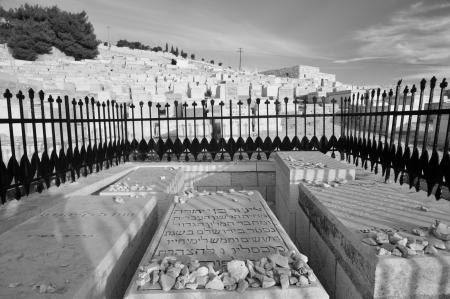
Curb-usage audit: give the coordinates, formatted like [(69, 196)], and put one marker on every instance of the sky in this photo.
[(361, 41)]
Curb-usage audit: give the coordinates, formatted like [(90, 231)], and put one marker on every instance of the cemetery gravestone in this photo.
[(218, 228)]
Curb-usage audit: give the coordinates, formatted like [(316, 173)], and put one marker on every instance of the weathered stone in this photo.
[(295, 255), (396, 252), (441, 231), (228, 280), (302, 281), (293, 280), (284, 281), (382, 238), (388, 247), (215, 284), (416, 246), (382, 251), (155, 277), (242, 286), (402, 242), (267, 282), (394, 238), (237, 269), (419, 232), (191, 286), (202, 271), (268, 266), (439, 244), (167, 282), (194, 265), (311, 276), (431, 250), (297, 264), (231, 287), (202, 280), (403, 250), (279, 260), (250, 267), (281, 271)]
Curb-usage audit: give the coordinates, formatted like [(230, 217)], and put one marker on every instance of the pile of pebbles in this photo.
[(327, 184), (232, 195), (425, 241), (125, 187), (294, 163), (275, 270)]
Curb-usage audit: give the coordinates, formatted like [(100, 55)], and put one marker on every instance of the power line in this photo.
[(240, 57)]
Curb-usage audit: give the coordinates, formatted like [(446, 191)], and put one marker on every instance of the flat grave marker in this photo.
[(220, 227)]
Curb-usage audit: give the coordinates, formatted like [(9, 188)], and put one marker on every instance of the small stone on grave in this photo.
[(215, 284), (369, 241), (439, 244), (419, 232), (382, 252), (242, 286), (431, 250)]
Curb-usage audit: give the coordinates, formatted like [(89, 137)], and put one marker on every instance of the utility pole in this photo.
[(109, 39), (240, 57)]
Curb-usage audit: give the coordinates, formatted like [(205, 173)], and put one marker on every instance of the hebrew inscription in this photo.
[(220, 227)]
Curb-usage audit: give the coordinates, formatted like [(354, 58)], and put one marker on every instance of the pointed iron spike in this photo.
[(406, 90), (149, 103), (41, 94), (103, 104), (31, 93), (193, 104), (175, 103), (141, 103), (399, 82), (268, 102), (58, 100), (74, 102), (108, 102), (413, 89), (80, 102), (443, 84), (391, 93), (378, 92), (158, 105), (221, 103), (286, 100), (7, 94), (20, 95), (373, 93), (384, 94), (167, 105), (92, 100), (50, 99), (433, 82), (249, 101), (423, 83), (212, 102)]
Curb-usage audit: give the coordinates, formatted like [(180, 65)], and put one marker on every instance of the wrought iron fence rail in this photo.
[(371, 129)]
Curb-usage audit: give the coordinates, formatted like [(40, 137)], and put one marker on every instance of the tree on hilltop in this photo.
[(212, 62), (176, 52), (171, 50), (34, 30), (220, 63), (192, 56)]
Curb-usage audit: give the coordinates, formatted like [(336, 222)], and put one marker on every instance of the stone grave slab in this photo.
[(217, 228), (82, 247), (294, 167), (339, 218)]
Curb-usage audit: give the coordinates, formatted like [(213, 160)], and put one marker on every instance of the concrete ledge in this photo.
[(83, 246)]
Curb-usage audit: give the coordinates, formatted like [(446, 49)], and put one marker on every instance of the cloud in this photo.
[(419, 34), (358, 59)]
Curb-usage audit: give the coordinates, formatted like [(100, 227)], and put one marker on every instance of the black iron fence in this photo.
[(402, 133)]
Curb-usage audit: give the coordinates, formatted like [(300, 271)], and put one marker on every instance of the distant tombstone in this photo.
[(285, 92), (231, 91)]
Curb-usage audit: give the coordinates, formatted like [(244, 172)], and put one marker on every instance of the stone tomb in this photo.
[(337, 222), (220, 227), (294, 167), (145, 181), (83, 247)]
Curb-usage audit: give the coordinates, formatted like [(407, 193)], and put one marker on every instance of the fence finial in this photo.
[(443, 84), (423, 83)]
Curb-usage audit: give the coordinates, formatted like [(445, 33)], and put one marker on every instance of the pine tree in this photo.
[(167, 48), (192, 56)]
